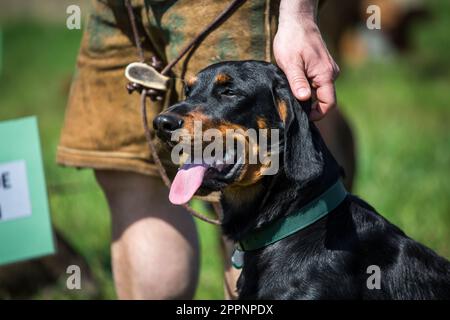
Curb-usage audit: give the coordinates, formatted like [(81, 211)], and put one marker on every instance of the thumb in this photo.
[(298, 82)]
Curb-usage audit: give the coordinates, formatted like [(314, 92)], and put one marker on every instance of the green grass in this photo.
[(401, 125), (399, 111), (38, 63)]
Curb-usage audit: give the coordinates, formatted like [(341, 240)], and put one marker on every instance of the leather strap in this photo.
[(299, 220), (156, 94)]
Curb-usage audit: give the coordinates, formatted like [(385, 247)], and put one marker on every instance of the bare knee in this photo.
[(151, 261), (155, 247)]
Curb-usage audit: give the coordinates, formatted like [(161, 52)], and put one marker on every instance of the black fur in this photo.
[(329, 259)]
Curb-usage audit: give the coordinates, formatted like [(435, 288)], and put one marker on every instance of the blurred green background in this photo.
[(398, 107)]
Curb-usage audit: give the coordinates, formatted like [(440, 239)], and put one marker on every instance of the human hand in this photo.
[(303, 56)]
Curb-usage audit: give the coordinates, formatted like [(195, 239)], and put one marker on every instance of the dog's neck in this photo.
[(248, 208)]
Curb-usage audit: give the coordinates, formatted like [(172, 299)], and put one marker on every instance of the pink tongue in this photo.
[(188, 179)]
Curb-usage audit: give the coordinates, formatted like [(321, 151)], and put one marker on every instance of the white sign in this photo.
[(14, 194)]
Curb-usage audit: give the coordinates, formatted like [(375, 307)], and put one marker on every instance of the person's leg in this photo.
[(155, 252)]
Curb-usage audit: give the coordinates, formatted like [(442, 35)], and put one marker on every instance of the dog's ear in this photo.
[(303, 157)]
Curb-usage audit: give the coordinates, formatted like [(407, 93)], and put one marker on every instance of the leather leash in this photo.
[(156, 94)]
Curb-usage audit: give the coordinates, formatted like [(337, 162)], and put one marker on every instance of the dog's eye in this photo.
[(228, 92)]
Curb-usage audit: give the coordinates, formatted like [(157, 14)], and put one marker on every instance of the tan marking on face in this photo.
[(282, 110), (238, 195), (251, 174), (208, 123), (191, 81), (262, 124), (223, 126), (222, 78), (193, 116)]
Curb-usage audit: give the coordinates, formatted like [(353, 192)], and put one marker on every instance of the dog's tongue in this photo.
[(187, 181)]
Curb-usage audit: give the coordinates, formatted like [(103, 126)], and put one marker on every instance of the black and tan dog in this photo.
[(303, 236)]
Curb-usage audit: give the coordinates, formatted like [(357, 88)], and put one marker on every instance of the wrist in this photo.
[(299, 12)]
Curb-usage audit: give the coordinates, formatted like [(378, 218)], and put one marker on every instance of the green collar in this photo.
[(295, 222), (292, 223)]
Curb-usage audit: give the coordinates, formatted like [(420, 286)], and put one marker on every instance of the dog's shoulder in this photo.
[(412, 270), (335, 257)]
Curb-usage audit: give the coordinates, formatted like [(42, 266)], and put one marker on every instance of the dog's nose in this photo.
[(165, 124)]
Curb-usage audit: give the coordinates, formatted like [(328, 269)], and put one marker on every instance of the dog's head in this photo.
[(236, 100)]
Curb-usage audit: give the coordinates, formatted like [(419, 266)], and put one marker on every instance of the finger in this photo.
[(298, 82), (336, 71), (326, 100)]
